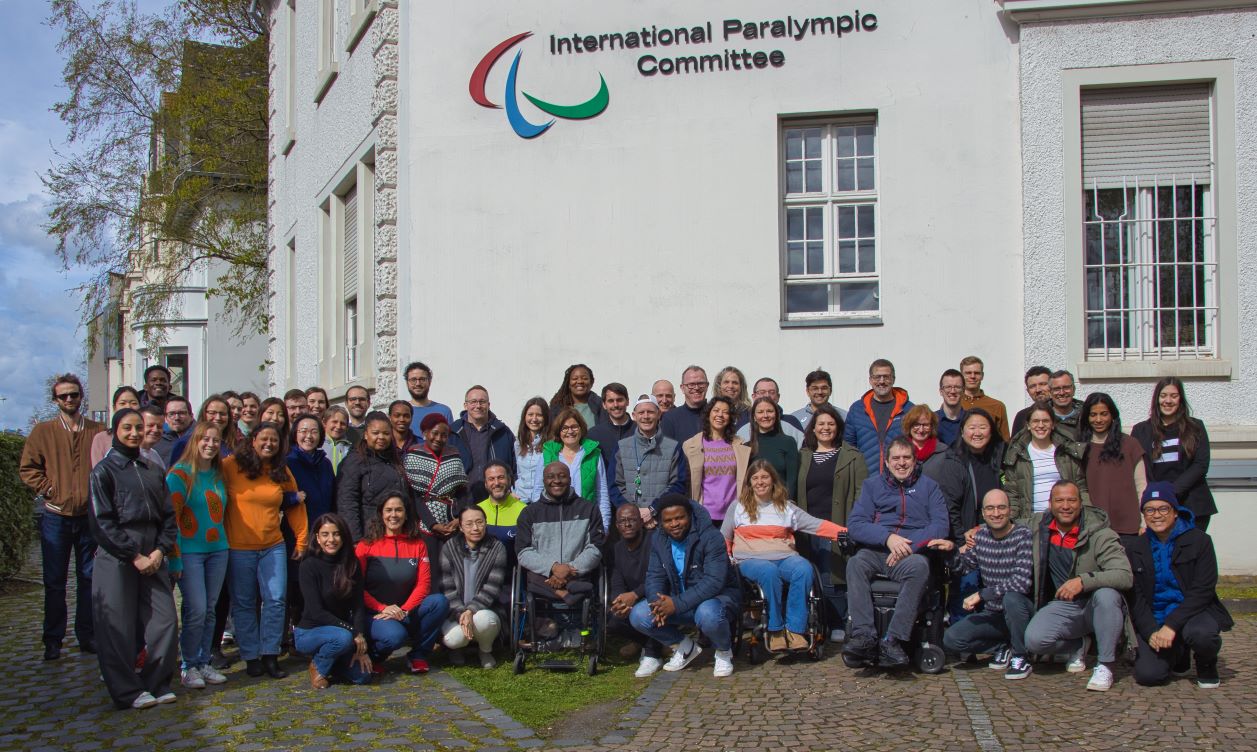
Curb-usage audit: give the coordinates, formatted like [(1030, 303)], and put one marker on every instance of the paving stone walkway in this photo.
[(62, 705)]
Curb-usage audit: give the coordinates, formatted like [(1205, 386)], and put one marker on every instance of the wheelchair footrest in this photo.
[(556, 664)]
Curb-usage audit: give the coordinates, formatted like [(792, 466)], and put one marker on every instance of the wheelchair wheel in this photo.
[(519, 663), (591, 666), (931, 659)]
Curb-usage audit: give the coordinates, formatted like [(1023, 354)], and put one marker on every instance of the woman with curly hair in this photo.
[(577, 391), (261, 490), (731, 382)]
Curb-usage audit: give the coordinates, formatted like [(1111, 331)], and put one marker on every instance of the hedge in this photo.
[(17, 527)]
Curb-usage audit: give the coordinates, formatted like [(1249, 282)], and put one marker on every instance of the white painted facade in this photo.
[(651, 236)]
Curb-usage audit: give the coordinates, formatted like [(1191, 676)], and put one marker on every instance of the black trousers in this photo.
[(1200, 635)]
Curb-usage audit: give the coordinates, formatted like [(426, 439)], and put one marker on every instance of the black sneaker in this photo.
[(254, 667), (1000, 658), (1018, 668), (1183, 665), (890, 654), (1207, 674), (52, 651), (859, 651)]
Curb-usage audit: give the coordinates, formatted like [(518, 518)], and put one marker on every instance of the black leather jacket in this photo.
[(130, 511)]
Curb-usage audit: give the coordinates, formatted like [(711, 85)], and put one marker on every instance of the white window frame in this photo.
[(329, 59), (290, 77), (1219, 73), (361, 13), (336, 347), (831, 201)]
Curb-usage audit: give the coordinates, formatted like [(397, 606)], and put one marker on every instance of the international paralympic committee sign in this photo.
[(733, 32)]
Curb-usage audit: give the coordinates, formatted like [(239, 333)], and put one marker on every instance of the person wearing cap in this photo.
[(1174, 604), (649, 463)]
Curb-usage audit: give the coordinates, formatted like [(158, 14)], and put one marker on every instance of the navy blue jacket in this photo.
[(914, 509), (708, 573), (501, 442), (313, 473)]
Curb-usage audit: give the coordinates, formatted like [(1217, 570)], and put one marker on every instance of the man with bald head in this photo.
[(664, 393), (558, 539), (1002, 555)]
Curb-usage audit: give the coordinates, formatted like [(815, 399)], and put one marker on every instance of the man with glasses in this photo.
[(649, 464), (820, 387), (1037, 389), (179, 425), (479, 437), (1080, 572), (876, 419), (418, 381), (156, 386), (951, 385), (56, 460), (665, 394), (1001, 555), (1067, 408), (358, 403), (682, 422), (1174, 604)]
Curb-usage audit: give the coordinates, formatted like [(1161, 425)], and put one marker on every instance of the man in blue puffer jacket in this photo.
[(898, 513), (877, 417)]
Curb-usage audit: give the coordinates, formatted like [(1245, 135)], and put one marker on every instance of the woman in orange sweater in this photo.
[(260, 489)]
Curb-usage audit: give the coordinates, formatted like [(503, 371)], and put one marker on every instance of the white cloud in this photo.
[(22, 225)]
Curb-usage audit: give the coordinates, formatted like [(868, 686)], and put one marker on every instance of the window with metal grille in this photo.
[(1149, 222), (830, 255)]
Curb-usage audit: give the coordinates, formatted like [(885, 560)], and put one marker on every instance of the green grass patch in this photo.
[(539, 697), (1237, 592)]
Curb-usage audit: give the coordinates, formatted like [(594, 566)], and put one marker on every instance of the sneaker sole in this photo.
[(1016, 677), (1075, 668), (721, 674), (1209, 684), (1098, 688)]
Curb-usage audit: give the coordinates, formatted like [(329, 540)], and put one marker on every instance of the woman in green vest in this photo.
[(583, 458)]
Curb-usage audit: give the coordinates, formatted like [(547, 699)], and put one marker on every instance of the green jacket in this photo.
[(850, 472), (588, 466), (1099, 558), (1018, 472)]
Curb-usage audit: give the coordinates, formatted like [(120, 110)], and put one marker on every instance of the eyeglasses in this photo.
[(177, 413), (473, 524), (951, 389), (477, 402), (1158, 511), (359, 399), (1061, 389), (570, 429), (880, 379), (696, 385), (68, 396)]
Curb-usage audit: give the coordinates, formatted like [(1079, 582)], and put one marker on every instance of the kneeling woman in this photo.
[(398, 590), (332, 623), (760, 533), (132, 521)]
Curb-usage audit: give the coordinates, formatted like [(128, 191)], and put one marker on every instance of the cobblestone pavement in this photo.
[(62, 705)]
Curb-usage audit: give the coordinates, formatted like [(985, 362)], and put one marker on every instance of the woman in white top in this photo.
[(1036, 458)]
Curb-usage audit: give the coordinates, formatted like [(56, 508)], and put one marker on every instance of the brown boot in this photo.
[(776, 642), (796, 641), (317, 680)]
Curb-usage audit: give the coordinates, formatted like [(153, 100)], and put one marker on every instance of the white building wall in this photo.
[(648, 238), (1047, 49)]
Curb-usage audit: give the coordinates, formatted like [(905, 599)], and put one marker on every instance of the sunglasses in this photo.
[(68, 396)]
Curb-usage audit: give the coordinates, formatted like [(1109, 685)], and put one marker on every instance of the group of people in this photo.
[(345, 534)]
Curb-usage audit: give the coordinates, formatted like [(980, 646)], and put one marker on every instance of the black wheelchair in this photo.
[(925, 646), (580, 628), (752, 630)]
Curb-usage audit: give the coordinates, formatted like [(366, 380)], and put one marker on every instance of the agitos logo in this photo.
[(522, 127)]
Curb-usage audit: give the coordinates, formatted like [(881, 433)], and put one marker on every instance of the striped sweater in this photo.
[(771, 536), (1005, 565)]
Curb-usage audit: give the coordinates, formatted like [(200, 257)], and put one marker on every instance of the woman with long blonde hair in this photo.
[(759, 531)]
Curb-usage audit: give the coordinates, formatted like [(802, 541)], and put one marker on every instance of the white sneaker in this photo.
[(1101, 678), (167, 698), (724, 663), (648, 666), (1078, 659), (192, 679), (212, 675), (144, 700), (684, 654)]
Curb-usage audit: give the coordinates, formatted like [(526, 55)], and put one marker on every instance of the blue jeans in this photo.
[(421, 627), (332, 650), (200, 583), (59, 538), (253, 574), (711, 617), (771, 575)]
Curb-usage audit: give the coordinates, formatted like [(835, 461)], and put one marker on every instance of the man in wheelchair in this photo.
[(558, 543), (689, 582), (898, 513)]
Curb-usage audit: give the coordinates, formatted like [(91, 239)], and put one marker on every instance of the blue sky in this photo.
[(39, 331)]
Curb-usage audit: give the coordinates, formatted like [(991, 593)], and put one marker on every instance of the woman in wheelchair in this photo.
[(759, 531)]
